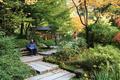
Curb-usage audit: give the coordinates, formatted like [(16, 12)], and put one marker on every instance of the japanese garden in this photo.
[(59, 39)]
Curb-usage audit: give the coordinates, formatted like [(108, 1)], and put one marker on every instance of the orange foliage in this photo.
[(99, 3), (95, 3), (77, 24)]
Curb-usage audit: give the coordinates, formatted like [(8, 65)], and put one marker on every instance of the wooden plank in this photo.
[(48, 52), (55, 76), (38, 77), (21, 49), (46, 64), (66, 77), (24, 51), (42, 68), (26, 59)]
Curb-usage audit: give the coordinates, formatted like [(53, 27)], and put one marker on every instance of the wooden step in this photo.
[(27, 59), (58, 74), (66, 77), (24, 52), (42, 67), (50, 52), (22, 49)]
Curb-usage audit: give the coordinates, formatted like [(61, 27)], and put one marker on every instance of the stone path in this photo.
[(46, 71)]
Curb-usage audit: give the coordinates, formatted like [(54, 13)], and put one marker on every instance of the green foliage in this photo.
[(6, 47), (99, 56), (100, 63), (10, 65), (12, 15), (66, 37), (114, 10), (8, 16), (40, 41), (21, 43), (18, 15), (81, 42), (68, 49), (2, 33), (37, 38), (103, 31), (75, 44), (112, 74), (49, 42), (51, 12)]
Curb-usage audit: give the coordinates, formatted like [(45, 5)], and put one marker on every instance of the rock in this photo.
[(79, 72)]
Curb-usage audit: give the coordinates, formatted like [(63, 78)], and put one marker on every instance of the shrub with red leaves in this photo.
[(117, 21), (117, 37)]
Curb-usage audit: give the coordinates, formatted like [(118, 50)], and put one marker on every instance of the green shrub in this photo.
[(98, 56), (10, 65), (7, 46), (103, 60), (49, 42), (103, 31), (66, 37), (21, 43), (37, 38), (81, 42), (40, 41), (14, 68), (68, 49)]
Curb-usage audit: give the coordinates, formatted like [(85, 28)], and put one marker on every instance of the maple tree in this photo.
[(82, 10), (95, 7)]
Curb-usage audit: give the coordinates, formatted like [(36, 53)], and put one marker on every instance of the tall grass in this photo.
[(110, 73)]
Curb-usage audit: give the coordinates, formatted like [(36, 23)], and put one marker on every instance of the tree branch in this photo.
[(96, 20), (86, 13), (78, 13), (97, 16)]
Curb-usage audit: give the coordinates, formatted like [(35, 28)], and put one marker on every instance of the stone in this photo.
[(79, 72)]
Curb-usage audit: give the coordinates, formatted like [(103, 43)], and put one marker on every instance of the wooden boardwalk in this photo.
[(46, 71)]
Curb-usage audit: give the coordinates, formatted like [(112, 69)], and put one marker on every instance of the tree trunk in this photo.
[(21, 29), (89, 37), (26, 31)]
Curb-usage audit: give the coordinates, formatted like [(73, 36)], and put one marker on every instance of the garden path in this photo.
[(45, 70)]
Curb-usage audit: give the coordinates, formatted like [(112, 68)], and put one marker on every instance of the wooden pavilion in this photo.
[(45, 32)]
